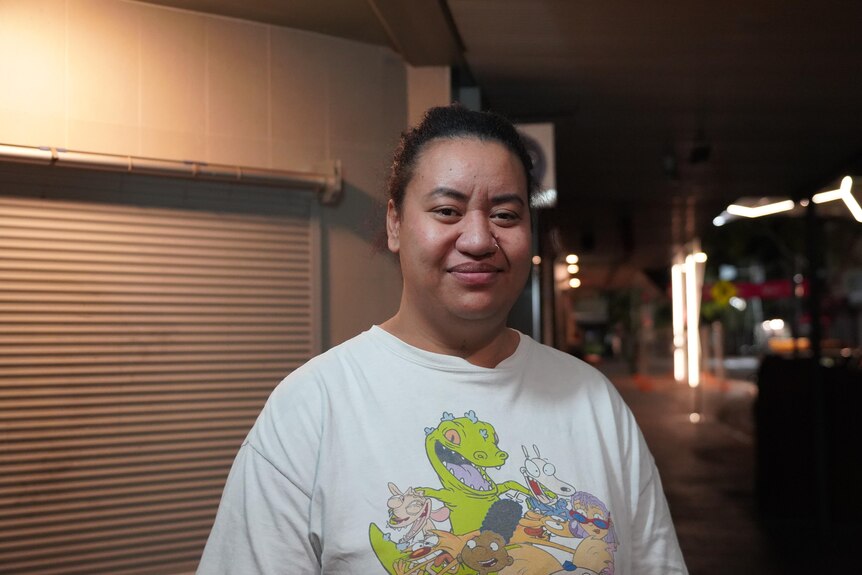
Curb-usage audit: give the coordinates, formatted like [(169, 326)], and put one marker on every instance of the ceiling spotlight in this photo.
[(761, 210), (571, 259), (573, 269), (842, 193), (574, 282)]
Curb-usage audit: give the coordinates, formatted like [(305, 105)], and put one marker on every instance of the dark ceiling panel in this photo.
[(770, 89)]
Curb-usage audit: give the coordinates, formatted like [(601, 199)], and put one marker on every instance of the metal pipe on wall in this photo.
[(327, 182)]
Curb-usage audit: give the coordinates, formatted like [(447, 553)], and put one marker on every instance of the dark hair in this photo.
[(453, 121)]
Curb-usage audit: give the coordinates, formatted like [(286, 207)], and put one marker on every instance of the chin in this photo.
[(477, 312)]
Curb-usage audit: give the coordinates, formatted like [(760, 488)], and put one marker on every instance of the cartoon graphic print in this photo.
[(548, 492), (591, 521), (486, 552), (412, 510), (545, 527), (461, 450)]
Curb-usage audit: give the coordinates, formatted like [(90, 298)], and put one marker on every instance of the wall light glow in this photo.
[(692, 321), (678, 304), (537, 260), (571, 259), (574, 282), (573, 269)]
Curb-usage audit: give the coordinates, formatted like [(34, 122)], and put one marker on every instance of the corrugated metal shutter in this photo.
[(137, 345)]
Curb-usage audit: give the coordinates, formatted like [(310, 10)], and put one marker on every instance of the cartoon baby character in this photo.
[(410, 509)]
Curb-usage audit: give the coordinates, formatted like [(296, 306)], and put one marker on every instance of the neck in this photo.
[(481, 343)]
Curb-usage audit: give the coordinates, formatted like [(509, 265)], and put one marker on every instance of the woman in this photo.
[(435, 399)]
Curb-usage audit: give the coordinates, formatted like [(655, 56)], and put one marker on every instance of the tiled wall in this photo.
[(117, 76)]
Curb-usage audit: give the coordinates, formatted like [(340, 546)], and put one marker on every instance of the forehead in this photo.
[(465, 163)]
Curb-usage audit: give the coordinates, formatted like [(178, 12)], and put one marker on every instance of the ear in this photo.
[(393, 227), (393, 489)]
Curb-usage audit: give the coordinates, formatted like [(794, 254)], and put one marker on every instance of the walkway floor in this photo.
[(707, 469)]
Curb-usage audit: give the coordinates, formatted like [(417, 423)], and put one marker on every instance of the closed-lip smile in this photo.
[(474, 268), (476, 274)]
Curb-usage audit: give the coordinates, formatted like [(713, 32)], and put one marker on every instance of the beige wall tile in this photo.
[(103, 137), (300, 96), (32, 59), (173, 70), (427, 86), (297, 154), (238, 79), (173, 145), (252, 152), (356, 93), (104, 61), (25, 128)]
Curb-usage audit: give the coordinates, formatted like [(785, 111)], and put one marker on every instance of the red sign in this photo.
[(772, 289)]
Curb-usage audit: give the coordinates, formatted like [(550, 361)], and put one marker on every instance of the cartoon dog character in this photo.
[(548, 494)]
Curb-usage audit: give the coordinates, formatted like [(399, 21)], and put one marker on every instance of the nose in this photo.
[(476, 238)]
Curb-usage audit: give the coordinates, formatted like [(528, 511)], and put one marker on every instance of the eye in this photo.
[(597, 516), (532, 468), (549, 469), (494, 546), (505, 217), (414, 506), (446, 212), (453, 436), (471, 544)]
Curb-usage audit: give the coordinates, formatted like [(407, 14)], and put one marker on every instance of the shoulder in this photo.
[(333, 362), (551, 364)]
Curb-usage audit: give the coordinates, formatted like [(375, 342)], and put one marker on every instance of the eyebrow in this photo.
[(462, 197)]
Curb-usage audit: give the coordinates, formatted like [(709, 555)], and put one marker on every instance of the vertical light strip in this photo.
[(678, 306), (692, 321)]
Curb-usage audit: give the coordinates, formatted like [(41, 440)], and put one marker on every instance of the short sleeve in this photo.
[(263, 524), (655, 549)]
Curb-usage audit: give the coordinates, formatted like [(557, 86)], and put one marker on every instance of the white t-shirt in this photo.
[(377, 457)]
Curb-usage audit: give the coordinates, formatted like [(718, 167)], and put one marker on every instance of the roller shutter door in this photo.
[(143, 323)]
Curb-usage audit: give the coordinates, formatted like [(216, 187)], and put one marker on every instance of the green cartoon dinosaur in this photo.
[(460, 450)]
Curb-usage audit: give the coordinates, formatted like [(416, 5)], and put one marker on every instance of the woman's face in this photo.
[(463, 231)]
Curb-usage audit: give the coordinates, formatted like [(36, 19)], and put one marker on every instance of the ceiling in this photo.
[(664, 112)]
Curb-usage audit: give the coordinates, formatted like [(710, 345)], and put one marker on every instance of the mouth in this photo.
[(539, 491), (467, 473), (537, 532), (420, 519), (475, 273), (488, 563)]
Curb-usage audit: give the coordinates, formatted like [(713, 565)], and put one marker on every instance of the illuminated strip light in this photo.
[(692, 321), (765, 210), (842, 193), (678, 303)]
